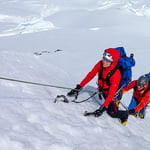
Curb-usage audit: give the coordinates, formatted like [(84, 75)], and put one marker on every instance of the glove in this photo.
[(131, 111), (99, 111), (75, 91), (131, 55)]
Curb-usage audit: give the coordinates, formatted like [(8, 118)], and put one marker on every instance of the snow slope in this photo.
[(57, 42)]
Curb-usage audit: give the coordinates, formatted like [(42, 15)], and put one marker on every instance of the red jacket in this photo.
[(138, 95), (102, 84)]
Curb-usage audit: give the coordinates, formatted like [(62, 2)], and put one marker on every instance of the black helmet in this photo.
[(142, 81)]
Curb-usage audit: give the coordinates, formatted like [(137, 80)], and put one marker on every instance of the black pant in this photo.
[(113, 111)]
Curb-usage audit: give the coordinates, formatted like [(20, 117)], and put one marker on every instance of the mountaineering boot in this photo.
[(135, 114), (141, 116), (123, 121), (142, 113)]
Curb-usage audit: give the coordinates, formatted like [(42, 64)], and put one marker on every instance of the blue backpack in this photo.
[(148, 76), (125, 65)]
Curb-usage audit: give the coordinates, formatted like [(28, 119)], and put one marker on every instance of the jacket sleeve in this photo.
[(90, 75), (144, 101), (130, 86), (114, 84)]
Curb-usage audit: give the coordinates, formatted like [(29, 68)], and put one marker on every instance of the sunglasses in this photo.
[(107, 57)]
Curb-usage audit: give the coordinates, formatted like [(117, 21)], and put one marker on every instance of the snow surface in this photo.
[(57, 42)]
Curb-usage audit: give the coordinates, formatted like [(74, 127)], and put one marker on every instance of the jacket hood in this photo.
[(114, 53)]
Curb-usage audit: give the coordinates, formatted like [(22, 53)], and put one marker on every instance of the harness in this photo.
[(107, 79)]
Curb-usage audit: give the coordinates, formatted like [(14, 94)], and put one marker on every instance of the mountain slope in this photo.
[(57, 43)]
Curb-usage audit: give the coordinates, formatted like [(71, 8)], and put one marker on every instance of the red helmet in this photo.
[(111, 55)]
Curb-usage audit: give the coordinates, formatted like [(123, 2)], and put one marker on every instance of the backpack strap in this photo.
[(112, 72), (100, 72), (108, 75)]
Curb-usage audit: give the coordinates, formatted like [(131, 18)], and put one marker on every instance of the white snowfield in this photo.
[(57, 42), (23, 17)]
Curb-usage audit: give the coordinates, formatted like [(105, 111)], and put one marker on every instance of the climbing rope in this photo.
[(42, 84)]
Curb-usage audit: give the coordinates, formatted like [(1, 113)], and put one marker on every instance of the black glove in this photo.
[(131, 111), (131, 55), (99, 111), (75, 91)]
